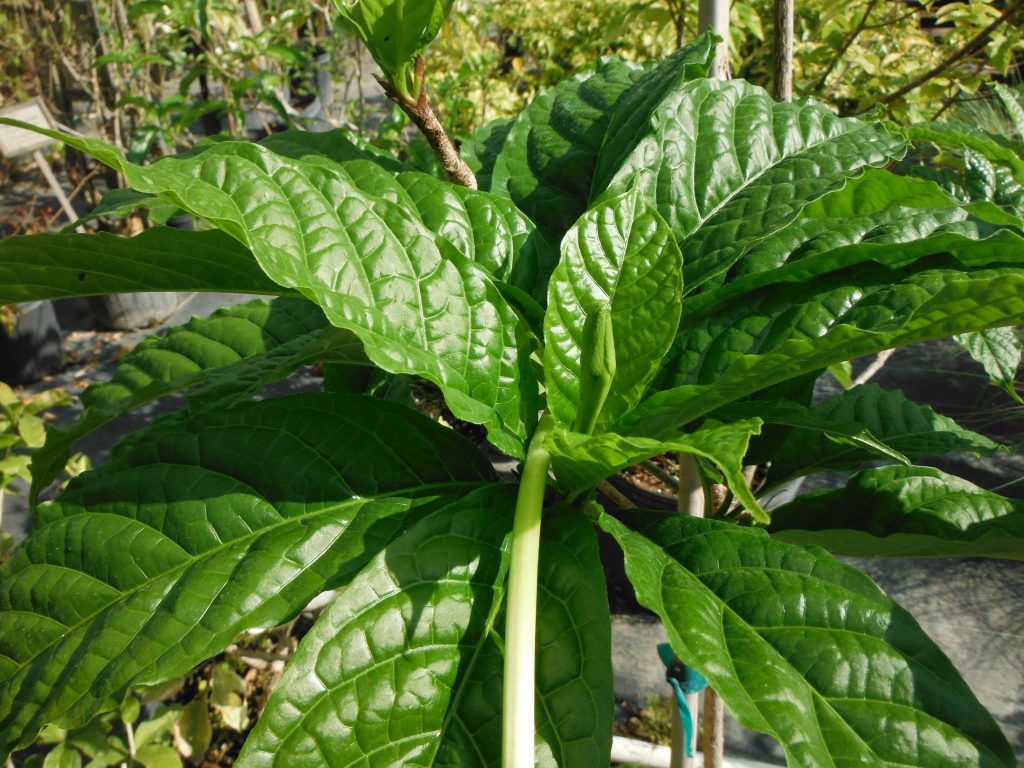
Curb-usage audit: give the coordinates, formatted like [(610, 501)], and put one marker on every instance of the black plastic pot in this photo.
[(127, 311), (35, 349)]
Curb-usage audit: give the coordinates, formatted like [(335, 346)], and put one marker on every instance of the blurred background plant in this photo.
[(22, 429), (975, 151), (155, 75)]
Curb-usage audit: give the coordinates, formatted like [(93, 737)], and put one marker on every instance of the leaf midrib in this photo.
[(748, 182)]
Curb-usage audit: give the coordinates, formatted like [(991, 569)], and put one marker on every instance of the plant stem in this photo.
[(129, 733), (521, 618), (422, 114), (847, 42)]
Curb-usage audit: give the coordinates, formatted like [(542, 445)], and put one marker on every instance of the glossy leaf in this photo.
[(396, 32), (51, 266), (842, 429), (119, 203), (582, 461), (912, 429), (221, 359), (878, 207), (804, 648), (339, 145), (725, 163), (418, 306), (484, 228), (998, 350), (994, 148), (405, 667), (620, 254), (773, 326), (155, 561), (905, 512), (634, 113), (544, 159), (1014, 108)]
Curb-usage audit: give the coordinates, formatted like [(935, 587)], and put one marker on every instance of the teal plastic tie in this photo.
[(684, 680)]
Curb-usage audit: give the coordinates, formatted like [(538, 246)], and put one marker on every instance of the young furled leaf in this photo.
[(396, 32)]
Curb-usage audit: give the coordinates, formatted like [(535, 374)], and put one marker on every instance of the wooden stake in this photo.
[(56, 188), (713, 736), (690, 502), (783, 50), (715, 14)]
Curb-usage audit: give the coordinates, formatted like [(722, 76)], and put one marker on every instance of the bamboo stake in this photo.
[(690, 502)]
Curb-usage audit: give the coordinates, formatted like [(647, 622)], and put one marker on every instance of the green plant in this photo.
[(976, 153), (22, 428), (717, 251)]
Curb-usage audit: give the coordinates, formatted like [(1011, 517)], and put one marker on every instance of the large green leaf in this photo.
[(878, 207), (544, 159), (51, 266), (998, 350), (619, 255), (419, 306), (635, 111), (996, 149), (805, 649), (485, 228), (374, 680), (405, 667), (155, 561), (787, 413), (726, 164), (220, 359), (338, 145), (582, 461), (836, 306), (905, 512), (912, 429)]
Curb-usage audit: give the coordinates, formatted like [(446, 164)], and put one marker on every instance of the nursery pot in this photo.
[(35, 348), (127, 311)]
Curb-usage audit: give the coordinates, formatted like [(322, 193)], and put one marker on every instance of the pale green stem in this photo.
[(521, 617)]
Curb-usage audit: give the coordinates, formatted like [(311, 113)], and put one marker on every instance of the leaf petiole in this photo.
[(521, 618)]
